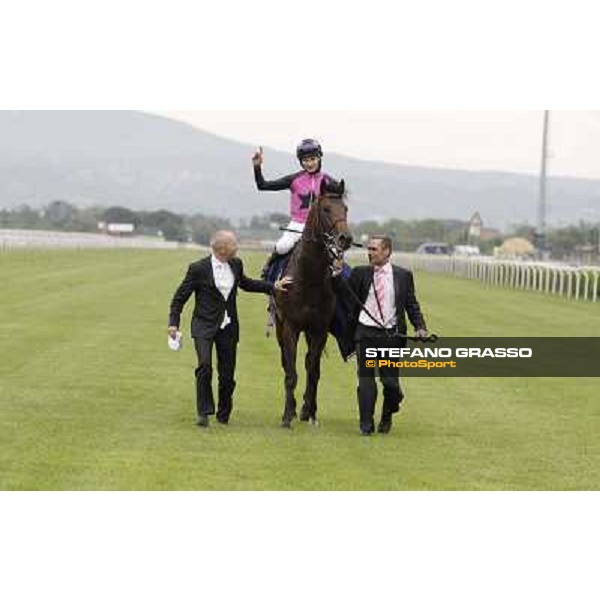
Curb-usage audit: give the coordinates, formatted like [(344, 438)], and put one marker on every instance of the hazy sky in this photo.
[(487, 140)]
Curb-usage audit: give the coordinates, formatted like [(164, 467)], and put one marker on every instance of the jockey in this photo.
[(304, 187)]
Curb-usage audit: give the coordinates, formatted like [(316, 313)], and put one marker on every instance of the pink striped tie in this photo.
[(380, 287)]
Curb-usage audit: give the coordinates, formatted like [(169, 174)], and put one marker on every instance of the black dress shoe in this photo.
[(367, 429), (203, 421), (223, 421), (385, 426)]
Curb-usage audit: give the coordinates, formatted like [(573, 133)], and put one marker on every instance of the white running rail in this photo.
[(14, 239), (573, 283)]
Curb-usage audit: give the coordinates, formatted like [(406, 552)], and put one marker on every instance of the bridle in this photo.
[(329, 237)]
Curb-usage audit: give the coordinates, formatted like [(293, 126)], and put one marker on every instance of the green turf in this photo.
[(90, 397)]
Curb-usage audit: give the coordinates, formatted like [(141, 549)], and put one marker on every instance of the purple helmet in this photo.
[(308, 149)]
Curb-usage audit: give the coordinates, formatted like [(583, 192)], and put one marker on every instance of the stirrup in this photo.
[(270, 319), (270, 326)]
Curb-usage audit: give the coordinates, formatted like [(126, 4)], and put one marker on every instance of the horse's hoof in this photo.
[(289, 416), (313, 421)]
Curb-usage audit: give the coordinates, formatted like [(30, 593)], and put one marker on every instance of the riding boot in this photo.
[(265, 270)]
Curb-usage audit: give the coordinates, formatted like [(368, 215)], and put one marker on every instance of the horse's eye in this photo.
[(327, 210)]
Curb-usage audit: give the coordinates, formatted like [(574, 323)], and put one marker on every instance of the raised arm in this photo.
[(277, 185)]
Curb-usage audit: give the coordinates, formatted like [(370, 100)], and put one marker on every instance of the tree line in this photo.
[(407, 235), (63, 216)]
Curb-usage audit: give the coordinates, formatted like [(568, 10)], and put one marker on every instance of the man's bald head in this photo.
[(224, 245)]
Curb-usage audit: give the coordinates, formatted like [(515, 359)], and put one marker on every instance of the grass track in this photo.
[(90, 397)]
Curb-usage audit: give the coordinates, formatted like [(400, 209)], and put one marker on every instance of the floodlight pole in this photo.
[(542, 208)]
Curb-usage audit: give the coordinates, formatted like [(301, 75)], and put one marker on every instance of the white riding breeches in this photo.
[(289, 238)]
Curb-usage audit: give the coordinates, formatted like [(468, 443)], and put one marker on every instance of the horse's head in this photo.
[(333, 214)]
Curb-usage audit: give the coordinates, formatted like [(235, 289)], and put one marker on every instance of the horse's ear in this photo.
[(331, 187)]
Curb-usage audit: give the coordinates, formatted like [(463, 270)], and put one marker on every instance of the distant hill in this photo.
[(145, 161)]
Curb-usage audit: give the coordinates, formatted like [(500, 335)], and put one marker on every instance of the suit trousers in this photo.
[(225, 343), (367, 386)]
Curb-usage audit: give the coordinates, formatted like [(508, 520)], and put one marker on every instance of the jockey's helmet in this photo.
[(309, 149)]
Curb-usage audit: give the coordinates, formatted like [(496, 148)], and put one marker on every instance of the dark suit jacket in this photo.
[(361, 281), (210, 308)]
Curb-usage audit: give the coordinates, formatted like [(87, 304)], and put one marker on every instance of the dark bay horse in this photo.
[(308, 305)]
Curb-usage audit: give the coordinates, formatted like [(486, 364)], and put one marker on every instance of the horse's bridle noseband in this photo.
[(329, 238)]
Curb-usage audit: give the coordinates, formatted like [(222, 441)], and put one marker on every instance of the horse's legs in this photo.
[(288, 343), (316, 344)]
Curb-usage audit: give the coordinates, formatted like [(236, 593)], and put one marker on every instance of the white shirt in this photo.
[(388, 302), (224, 281)]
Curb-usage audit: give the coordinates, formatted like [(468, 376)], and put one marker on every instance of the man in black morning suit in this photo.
[(215, 281), (388, 292)]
